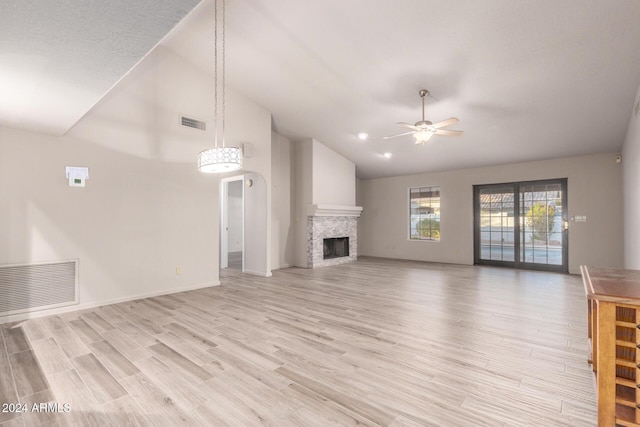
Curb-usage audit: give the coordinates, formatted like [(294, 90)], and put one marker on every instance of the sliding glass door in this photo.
[(542, 224), (497, 227), (521, 225)]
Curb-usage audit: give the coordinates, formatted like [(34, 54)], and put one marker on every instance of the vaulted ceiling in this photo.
[(59, 58), (528, 80)]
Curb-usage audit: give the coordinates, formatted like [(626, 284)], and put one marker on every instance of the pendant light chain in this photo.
[(220, 159), (215, 73), (223, 67)]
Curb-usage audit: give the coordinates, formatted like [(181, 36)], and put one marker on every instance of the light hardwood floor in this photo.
[(376, 342), (235, 260)]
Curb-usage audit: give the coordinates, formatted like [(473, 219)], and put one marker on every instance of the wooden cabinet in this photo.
[(613, 298)]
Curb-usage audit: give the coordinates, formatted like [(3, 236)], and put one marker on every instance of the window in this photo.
[(424, 213)]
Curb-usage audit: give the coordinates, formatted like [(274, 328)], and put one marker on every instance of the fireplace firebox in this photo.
[(335, 247)]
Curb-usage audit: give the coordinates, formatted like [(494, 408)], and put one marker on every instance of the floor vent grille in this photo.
[(34, 287)]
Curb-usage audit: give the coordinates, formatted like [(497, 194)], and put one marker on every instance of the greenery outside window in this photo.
[(424, 213)]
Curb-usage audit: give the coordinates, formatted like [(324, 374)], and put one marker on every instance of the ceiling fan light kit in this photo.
[(422, 136), (423, 130)]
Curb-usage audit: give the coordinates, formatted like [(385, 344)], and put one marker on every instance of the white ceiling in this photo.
[(527, 79), (58, 58)]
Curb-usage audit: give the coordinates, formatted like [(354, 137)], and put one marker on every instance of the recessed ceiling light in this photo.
[(388, 155), (363, 136)]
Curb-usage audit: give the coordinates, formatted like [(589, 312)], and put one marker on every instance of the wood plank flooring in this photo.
[(235, 260), (376, 342)]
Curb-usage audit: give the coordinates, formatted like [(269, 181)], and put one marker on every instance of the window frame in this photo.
[(438, 216)]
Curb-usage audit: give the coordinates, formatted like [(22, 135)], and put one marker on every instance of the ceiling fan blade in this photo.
[(448, 122), (449, 132), (399, 134), (408, 125)]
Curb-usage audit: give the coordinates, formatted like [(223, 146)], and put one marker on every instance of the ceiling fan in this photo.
[(424, 129)]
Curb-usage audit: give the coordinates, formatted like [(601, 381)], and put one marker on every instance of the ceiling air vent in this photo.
[(193, 123)]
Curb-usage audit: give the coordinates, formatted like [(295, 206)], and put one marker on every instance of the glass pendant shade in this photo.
[(220, 159), (422, 136)]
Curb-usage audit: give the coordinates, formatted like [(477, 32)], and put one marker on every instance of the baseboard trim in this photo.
[(77, 307), (259, 273)]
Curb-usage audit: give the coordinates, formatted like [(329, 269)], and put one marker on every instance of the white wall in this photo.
[(146, 209), (334, 177), (241, 111), (256, 226), (594, 190), (302, 177), (282, 240), (631, 185)]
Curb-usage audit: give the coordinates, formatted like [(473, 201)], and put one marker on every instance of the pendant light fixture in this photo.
[(219, 159)]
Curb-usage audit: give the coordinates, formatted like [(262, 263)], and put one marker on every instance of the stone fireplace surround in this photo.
[(326, 221)]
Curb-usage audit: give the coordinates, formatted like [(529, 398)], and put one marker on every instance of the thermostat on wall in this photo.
[(77, 176)]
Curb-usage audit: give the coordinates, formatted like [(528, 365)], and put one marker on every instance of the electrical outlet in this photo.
[(178, 270)]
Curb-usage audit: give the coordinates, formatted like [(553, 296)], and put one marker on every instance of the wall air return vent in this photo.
[(34, 287), (193, 123)]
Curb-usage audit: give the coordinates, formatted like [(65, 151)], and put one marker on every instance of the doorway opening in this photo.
[(522, 225), (232, 223)]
